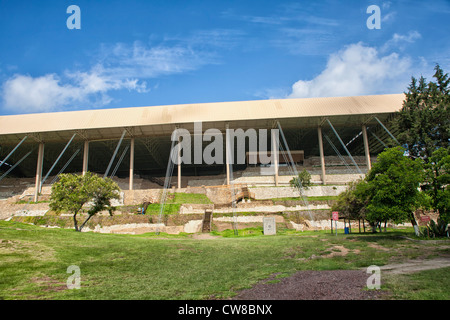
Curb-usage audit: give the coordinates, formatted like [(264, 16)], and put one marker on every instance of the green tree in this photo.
[(352, 202), (424, 120), (438, 182), (72, 192), (393, 188), (424, 123)]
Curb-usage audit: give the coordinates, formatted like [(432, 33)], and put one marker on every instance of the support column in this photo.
[(85, 157), (274, 152), (179, 163), (322, 157), (39, 165), (227, 153), (366, 147), (131, 163)]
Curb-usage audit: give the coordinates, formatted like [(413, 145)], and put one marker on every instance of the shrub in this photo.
[(303, 180), (433, 229)]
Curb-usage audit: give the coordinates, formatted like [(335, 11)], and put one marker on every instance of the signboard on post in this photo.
[(426, 219), (335, 215)]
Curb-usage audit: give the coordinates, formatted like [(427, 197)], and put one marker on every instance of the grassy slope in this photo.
[(175, 200), (34, 260)]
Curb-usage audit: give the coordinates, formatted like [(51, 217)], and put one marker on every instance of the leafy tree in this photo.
[(424, 121), (72, 192), (352, 202), (393, 188), (438, 182)]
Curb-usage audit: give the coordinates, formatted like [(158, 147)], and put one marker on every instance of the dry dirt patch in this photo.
[(314, 285), (336, 251), (7, 247), (377, 246), (49, 284), (333, 284), (203, 236), (340, 251)]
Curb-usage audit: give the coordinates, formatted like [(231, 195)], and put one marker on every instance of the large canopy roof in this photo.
[(152, 127), (160, 120)]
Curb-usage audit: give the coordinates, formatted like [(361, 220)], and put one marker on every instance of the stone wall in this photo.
[(284, 192), (222, 195), (136, 197)]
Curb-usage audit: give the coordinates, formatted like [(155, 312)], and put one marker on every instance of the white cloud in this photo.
[(304, 41), (27, 94), (388, 17), (386, 5), (357, 70), (23, 93), (140, 61), (399, 41), (118, 67)]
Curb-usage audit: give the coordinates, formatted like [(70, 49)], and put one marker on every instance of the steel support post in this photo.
[(114, 154), (343, 145), (15, 148), (389, 133), (15, 165), (57, 159)]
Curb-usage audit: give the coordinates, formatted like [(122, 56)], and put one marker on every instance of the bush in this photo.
[(433, 229), (303, 180)]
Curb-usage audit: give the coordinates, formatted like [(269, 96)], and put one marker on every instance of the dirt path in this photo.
[(332, 284), (416, 265)]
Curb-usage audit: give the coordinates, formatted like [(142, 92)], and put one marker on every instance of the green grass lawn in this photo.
[(175, 200), (34, 262), (425, 285)]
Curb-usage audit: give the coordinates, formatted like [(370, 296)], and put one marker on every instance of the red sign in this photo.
[(335, 215), (425, 218)]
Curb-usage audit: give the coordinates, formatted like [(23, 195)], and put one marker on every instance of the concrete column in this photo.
[(131, 163), (274, 152), (227, 154), (179, 163), (322, 158), (366, 147), (85, 157), (40, 162)]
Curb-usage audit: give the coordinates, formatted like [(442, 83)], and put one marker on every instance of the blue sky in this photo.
[(145, 53)]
